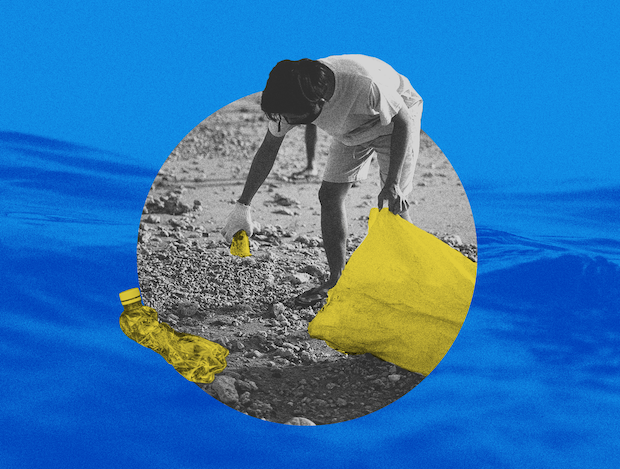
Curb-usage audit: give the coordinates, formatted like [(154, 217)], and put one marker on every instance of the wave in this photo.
[(546, 305)]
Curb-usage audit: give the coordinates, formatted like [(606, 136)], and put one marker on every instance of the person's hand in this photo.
[(397, 203), (239, 219)]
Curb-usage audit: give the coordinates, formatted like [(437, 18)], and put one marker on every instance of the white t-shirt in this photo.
[(367, 95)]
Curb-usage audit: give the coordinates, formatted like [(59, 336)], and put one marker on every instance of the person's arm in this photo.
[(241, 217), (261, 166), (401, 136)]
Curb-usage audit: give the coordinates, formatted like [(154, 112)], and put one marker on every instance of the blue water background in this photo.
[(531, 381), (522, 97)]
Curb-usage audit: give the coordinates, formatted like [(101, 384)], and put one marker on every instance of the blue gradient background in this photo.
[(521, 96)]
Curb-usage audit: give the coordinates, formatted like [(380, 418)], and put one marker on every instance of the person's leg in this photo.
[(334, 228), (345, 165), (310, 140)]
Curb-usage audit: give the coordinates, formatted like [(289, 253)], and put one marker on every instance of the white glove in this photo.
[(239, 219)]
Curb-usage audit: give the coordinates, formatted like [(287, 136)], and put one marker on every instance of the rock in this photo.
[(394, 378), (303, 239), (283, 200), (312, 270), (284, 211), (306, 357), (298, 278), (287, 353), (244, 399), (187, 309), (283, 321), (232, 374), (152, 219), (238, 346), (224, 387), (277, 309), (302, 421), (453, 240)]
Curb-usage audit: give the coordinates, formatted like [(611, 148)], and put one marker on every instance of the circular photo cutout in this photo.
[(297, 354)]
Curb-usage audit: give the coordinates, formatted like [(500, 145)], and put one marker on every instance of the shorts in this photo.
[(347, 164)]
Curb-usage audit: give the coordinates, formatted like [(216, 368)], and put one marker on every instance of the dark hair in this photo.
[(294, 87)]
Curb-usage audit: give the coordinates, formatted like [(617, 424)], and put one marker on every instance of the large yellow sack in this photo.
[(403, 296)]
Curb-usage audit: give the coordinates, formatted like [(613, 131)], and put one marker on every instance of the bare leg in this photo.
[(334, 227), (310, 139)]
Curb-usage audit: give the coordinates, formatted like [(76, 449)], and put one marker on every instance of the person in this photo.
[(310, 171), (369, 109)]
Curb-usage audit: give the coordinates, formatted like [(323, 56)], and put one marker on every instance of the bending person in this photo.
[(369, 109)]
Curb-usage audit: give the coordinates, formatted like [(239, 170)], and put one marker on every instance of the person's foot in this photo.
[(305, 173), (313, 296)]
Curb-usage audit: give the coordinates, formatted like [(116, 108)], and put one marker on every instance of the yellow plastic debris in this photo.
[(403, 296), (195, 358), (240, 245)]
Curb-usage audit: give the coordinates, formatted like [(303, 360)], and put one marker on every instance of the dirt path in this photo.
[(275, 370)]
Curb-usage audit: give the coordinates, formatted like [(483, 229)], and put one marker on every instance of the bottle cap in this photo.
[(130, 296)]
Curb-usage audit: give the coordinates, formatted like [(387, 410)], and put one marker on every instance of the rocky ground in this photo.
[(275, 370)]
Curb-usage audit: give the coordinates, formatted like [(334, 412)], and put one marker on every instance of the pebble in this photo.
[(453, 240), (313, 270), (298, 278), (187, 309), (302, 421), (277, 309), (224, 387), (286, 353), (152, 219), (284, 211), (244, 399)]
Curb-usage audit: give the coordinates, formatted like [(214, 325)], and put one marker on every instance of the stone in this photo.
[(298, 278), (152, 219), (302, 421), (313, 270), (284, 211), (244, 399), (187, 309), (224, 387)]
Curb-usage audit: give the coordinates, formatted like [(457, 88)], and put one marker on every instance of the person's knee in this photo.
[(332, 195)]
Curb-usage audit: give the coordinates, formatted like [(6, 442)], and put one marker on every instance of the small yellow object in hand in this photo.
[(240, 245)]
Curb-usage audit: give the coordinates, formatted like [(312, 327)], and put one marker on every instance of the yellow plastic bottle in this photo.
[(195, 358), (240, 245)]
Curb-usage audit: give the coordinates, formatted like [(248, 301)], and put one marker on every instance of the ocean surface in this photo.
[(531, 381)]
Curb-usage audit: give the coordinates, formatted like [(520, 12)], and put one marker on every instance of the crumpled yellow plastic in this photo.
[(403, 296), (240, 245), (195, 358)]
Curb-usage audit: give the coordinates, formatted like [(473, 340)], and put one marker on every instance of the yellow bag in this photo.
[(195, 358), (403, 296)]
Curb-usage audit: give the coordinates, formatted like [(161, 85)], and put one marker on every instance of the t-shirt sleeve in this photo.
[(384, 102), (279, 129)]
